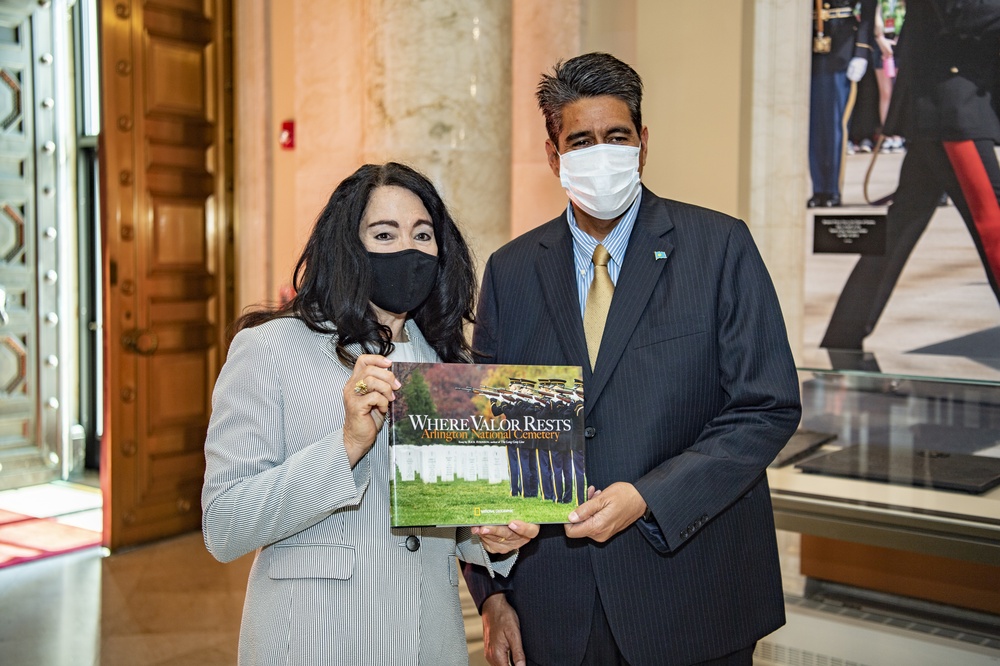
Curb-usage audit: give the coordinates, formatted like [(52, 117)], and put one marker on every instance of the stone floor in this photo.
[(164, 604)]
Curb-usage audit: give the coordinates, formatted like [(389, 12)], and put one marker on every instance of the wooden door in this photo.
[(166, 161)]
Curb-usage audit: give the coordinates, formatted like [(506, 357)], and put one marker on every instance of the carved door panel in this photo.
[(31, 424), (166, 191)]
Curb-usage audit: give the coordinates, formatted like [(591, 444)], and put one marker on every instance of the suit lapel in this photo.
[(640, 272), (556, 273)]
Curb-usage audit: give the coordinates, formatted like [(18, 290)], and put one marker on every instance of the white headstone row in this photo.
[(443, 462)]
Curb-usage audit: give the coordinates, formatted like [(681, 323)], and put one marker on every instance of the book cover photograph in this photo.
[(486, 444)]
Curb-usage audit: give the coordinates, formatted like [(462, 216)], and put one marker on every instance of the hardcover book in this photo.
[(486, 444)]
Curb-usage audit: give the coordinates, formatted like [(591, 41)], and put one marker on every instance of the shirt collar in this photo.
[(615, 242)]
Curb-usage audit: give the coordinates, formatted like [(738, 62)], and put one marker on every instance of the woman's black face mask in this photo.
[(402, 280)]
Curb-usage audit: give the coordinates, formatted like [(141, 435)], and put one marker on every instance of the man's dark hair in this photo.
[(588, 75), (333, 277)]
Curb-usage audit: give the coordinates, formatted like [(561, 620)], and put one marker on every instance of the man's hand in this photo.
[(501, 632), (606, 513)]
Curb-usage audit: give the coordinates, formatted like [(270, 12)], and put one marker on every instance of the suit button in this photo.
[(412, 543), (953, 70), (589, 432)]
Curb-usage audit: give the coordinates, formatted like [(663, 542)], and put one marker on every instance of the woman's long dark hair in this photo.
[(333, 277)]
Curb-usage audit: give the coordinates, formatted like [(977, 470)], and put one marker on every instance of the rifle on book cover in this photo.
[(557, 395), (486, 392)]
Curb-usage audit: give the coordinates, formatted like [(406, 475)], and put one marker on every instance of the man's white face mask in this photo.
[(603, 180)]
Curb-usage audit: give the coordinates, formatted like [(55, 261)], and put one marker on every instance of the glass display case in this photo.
[(916, 439), (887, 504)]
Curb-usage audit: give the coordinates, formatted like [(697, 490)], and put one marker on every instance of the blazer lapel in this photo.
[(556, 274), (422, 350), (640, 272)]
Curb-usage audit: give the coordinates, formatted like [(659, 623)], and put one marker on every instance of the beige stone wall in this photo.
[(689, 58), (726, 105), (543, 34), (727, 102)]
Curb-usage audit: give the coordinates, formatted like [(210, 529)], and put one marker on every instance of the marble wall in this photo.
[(424, 83), (774, 178), (437, 95), (727, 106), (449, 86), (543, 34)]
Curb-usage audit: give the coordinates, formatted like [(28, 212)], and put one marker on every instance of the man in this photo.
[(539, 454), (522, 460), (842, 46), (945, 104), (692, 393), (560, 405)]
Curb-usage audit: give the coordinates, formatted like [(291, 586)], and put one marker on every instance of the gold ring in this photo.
[(361, 388), (503, 539)]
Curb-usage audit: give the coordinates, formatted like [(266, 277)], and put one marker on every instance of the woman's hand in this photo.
[(367, 395), (885, 46), (502, 539)]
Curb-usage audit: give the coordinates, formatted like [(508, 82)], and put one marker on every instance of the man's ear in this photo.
[(552, 153), (644, 138)]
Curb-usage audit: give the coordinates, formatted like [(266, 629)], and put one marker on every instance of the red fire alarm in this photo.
[(287, 137)]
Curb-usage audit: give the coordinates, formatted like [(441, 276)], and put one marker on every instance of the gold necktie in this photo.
[(598, 303)]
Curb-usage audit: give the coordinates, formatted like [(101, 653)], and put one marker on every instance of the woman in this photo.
[(297, 456)]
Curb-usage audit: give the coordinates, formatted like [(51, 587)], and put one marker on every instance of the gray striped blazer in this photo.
[(332, 582)]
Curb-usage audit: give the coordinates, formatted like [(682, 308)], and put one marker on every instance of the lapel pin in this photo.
[(659, 254)]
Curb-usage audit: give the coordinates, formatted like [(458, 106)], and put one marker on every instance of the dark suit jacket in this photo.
[(694, 393), (948, 88)]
